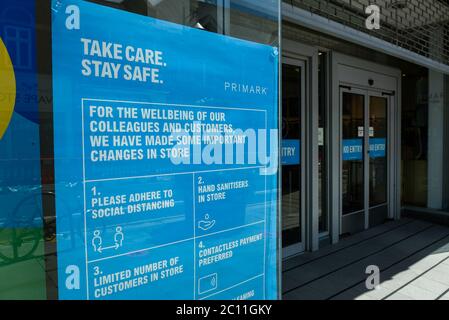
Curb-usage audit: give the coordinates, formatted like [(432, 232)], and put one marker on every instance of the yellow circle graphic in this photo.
[(7, 89)]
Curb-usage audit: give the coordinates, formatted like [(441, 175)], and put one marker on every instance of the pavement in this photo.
[(412, 257)]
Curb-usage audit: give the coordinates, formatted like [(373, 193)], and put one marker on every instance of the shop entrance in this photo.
[(365, 167), (299, 152), (365, 145)]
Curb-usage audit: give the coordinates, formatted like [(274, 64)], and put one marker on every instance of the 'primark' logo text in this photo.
[(244, 88)]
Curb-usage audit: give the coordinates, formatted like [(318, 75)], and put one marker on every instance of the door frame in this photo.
[(360, 92), (347, 71), (298, 248), (308, 55)]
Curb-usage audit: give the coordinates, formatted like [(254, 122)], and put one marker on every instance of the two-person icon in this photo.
[(97, 240)]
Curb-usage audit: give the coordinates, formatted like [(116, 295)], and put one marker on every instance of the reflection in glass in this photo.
[(291, 174), (254, 20), (378, 151), (193, 13), (22, 219), (245, 19), (414, 134), (28, 268), (353, 153)]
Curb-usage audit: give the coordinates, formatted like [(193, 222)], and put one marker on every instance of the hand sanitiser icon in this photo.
[(206, 224)]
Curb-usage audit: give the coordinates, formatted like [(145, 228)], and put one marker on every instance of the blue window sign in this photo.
[(377, 148), (291, 152), (150, 202), (353, 149)]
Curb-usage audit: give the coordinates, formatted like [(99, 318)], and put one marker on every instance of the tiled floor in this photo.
[(412, 256)]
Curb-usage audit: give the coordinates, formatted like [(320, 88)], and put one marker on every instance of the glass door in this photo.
[(364, 145), (293, 89), (353, 160), (378, 158)]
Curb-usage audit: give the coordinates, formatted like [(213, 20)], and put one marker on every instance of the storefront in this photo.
[(363, 167)]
